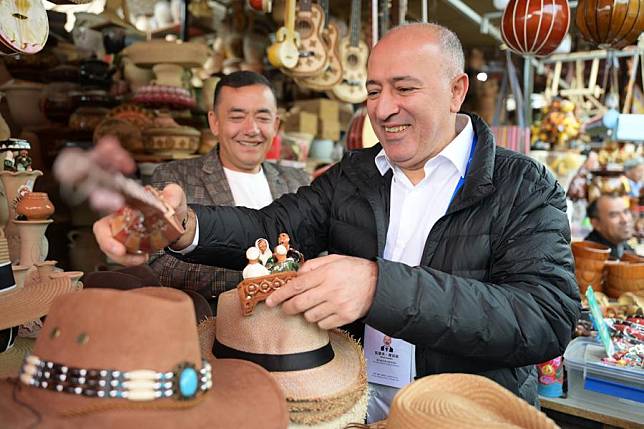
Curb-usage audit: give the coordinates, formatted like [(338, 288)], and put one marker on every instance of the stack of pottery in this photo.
[(15, 183), (24, 99), (36, 209), (590, 259), (168, 139)]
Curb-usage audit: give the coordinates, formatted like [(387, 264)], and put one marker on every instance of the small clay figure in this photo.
[(9, 162), (285, 241), (264, 252), (254, 267), (23, 161), (280, 262)]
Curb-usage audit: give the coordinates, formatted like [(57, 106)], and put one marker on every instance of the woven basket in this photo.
[(624, 277)]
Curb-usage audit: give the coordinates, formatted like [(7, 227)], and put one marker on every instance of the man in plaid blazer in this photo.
[(245, 121)]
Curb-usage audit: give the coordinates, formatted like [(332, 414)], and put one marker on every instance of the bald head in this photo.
[(419, 33)]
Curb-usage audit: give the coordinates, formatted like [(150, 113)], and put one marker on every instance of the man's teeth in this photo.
[(253, 144), (398, 129)]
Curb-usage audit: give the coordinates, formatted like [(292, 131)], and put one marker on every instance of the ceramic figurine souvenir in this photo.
[(254, 267)]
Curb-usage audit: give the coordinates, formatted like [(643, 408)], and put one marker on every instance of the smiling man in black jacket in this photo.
[(436, 236)]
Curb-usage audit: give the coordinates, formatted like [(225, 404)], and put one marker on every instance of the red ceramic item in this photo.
[(35, 206), (261, 5), (610, 23), (535, 27)]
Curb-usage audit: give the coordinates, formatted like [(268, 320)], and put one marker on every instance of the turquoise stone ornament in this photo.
[(188, 382)]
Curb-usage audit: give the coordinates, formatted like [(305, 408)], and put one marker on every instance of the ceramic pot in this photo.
[(155, 51), (19, 275), (45, 268), (74, 276), (171, 142), (87, 118), (35, 206), (14, 182), (33, 244), (168, 74), (127, 133), (136, 77)]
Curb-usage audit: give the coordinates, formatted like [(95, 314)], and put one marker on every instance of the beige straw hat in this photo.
[(322, 373), (11, 360), (464, 401), (21, 304)]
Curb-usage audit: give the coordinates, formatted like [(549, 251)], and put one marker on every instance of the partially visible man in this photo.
[(612, 224), (634, 172), (245, 120)]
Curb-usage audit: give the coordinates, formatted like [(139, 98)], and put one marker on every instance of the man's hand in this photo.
[(331, 291), (115, 250)]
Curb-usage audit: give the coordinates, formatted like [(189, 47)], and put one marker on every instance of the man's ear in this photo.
[(278, 122), (595, 223), (213, 122), (459, 86)]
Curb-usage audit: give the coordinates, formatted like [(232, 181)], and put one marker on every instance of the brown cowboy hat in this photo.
[(322, 373), (104, 356), (466, 401)]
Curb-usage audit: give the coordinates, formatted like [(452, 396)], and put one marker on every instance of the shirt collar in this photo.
[(457, 151)]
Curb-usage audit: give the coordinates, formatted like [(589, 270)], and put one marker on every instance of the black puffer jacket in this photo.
[(495, 291)]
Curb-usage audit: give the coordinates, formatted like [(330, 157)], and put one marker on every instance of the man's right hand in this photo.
[(115, 250)]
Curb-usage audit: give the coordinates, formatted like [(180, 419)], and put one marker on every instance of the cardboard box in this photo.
[(301, 122), (322, 107), (328, 130)]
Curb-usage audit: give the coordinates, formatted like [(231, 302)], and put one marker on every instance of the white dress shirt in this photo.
[(414, 209)]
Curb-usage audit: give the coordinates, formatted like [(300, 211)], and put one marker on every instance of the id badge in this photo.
[(389, 360)]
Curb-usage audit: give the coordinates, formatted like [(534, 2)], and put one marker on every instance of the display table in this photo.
[(589, 412)]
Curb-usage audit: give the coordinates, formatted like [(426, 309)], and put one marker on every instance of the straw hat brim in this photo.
[(468, 401), (11, 360), (243, 396), (31, 302), (319, 394)]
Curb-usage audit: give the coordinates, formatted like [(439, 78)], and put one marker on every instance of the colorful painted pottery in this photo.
[(35, 206), (163, 95), (87, 118), (535, 27), (610, 23)]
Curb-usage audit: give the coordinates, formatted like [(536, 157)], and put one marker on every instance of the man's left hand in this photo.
[(331, 290)]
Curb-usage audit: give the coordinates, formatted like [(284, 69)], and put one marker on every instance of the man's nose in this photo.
[(251, 127), (386, 106)]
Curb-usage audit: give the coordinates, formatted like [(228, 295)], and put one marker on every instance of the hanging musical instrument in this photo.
[(144, 225), (535, 27), (24, 26), (610, 23), (332, 73), (313, 58), (284, 52), (353, 56)]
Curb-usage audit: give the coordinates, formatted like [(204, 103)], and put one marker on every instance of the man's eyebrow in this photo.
[(405, 78), (237, 110), (264, 110), (396, 79)]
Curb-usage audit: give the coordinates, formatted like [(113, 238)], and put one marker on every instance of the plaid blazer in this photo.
[(204, 182)]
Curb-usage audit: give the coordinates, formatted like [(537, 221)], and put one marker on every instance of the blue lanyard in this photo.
[(461, 181)]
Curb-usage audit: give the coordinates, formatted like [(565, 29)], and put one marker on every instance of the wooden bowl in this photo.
[(624, 277), (590, 250)]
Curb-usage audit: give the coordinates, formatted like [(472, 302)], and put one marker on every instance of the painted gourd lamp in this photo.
[(610, 23)]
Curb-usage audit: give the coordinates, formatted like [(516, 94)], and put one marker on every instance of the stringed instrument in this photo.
[(308, 24), (24, 26), (332, 73), (284, 53), (353, 56), (145, 224)]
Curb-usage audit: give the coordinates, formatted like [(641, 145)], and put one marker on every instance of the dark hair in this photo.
[(240, 79), (592, 211)]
